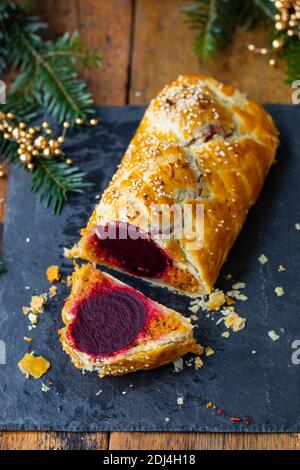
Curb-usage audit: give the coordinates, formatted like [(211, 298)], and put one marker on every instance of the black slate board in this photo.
[(264, 386)]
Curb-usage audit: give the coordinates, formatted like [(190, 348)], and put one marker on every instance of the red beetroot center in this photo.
[(133, 249), (106, 323)]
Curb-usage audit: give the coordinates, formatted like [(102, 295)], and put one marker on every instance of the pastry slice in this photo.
[(115, 329)]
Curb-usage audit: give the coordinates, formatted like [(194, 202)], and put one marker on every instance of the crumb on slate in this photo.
[(178, 365), (263, 259), (281, 268), (31, 365), (198, 362), (37, 306), (45, 388), (209, 351), (53, 291), (53, 273), (279, 291), (234, 321), (70, 253), (216, 300), (273, 335)]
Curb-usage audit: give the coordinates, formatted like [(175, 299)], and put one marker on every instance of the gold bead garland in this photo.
[(35, 142), (287, 25)]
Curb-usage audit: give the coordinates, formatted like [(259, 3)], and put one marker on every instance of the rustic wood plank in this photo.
[(163, 49), (105, 24), (23, 440), (108, 25), (203, 441)]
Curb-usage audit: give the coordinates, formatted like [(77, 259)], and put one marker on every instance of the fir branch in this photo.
[(52, 180), (216, 21), (48, 70), (292, 56), (47, 77)]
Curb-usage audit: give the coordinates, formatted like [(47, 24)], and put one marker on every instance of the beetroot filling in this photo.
[(106, 323), (139, 256)]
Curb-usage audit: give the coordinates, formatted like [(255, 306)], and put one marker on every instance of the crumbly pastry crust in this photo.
[(166, 341), (199, 142)]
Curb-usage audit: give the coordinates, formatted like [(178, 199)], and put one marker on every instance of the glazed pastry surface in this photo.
[(200, 144)]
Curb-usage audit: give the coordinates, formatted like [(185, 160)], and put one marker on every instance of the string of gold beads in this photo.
[(287, 24), (34, 142)]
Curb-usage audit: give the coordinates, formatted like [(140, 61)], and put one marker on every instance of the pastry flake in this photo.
[(53, 273), (33, 366)]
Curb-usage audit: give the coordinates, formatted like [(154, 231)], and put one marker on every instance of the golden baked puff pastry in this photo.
[(199, 144), (114, 329)]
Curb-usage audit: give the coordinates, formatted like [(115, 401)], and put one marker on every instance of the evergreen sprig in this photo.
[(217, 20), (53, 180), (48, 71), (48, 78)]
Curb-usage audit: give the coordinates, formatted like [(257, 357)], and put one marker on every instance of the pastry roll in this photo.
[(202, 147), (113, 329)]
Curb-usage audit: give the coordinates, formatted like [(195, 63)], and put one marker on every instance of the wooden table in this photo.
[(145, 44)]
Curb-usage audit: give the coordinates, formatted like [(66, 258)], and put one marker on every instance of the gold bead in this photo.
[(272, 62), (45, 125), (29, 148), (251, 47), (69, 161), (10, 129), (6, 135), (30, 166), (279, 25), (20, 151), (290, 32), (79, 121), (37, 129), (24, 157), (264, 51), (31, 131), (35, 152), (93, 122), (16, 133), (10, 115), (22, 125), (40, 142), (57, 152), (66, 124), (49, 131), (47, 152), (2, 173), (53, 143), (277, 43), (61, 139)]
